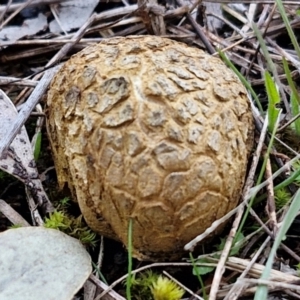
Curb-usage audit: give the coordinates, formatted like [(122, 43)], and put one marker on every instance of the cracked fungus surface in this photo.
[(150, 129)]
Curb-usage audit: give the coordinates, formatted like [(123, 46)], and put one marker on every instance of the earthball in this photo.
[(150, 129)]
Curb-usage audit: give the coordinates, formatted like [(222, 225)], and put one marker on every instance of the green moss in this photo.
[(74, 227)]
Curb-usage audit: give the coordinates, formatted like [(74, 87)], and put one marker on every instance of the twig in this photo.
[(5, 10), (16, 6), (281, 285), (67, 47), (15, 13), (237, 287), (5, 80), (101, 253), (182, 286), (38, 92), (198, 30), (220, 268), (293, 2), (41, 88), (35, 215), (14, 217), (271, 207), (110, 295), (137, 271)]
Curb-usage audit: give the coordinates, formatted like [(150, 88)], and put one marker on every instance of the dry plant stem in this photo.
[(255, 82), (290, 252), (67, 47), (290, 149), (15, 13), (27, 53), (239, 264), (176, 12), (220, 268), (192, 244), (271, 234), (266, 253), (143, 12), (198, 30), (272, 68), (273, 284), (263, 16), (5, 80), (44, 42), (250, 16), (233, 263), (263, 34), (90, 290), (248, 293), (288, 57), (235, 14), (230, 47), (35, 215), (140, 270), (196, 4), (116, 12), (101, 255), (24, 113), (295, 2), (254, 190), (256, 272), (261, 223), (292, 294), (14, 217), (41, 87), (235, 28), (152, 16), (117, 23), (182, 286), (238, 287), (110, 295), (251, 243), (4, 11), (282, 156), (16, 6), (271, 207), (54, 12)]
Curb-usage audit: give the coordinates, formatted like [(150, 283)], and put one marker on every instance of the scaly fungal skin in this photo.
[(151, 129)]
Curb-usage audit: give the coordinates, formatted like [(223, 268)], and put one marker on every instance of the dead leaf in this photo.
[(18, 160), (72, 15), (29, 27), (38, 263)]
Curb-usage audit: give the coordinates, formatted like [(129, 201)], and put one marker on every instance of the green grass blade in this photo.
[(290, 80), (263, 46), (196, 270), (242, 79), (274, 100), (262, 290), (37, 146), (288, 26), (295, 111), (98, 271), (260, 176)]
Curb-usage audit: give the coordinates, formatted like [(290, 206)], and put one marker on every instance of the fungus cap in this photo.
[(150, 129)]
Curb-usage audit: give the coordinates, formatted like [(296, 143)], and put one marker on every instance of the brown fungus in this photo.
[(160, 135)]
